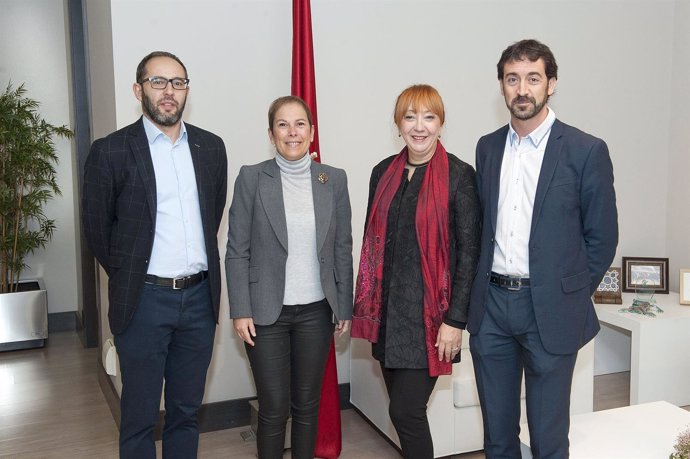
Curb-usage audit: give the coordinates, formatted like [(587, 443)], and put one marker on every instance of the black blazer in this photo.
[(119, 210), (573, 237)]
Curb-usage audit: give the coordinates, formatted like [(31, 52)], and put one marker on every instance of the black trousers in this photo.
[(288, 362), (409, 391)]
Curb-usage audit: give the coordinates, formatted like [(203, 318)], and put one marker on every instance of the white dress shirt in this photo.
[(178, 245), (522, 159)]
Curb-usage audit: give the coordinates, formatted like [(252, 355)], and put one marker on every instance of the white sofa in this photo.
[(454, 414)]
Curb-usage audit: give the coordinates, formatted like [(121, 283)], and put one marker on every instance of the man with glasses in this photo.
[(153, 198)]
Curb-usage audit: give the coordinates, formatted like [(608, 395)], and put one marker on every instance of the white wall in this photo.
[(678, 233), (616, 60), (33, 50)]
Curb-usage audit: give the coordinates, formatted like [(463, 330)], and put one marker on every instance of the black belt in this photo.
[(176, 283), (509, 282)]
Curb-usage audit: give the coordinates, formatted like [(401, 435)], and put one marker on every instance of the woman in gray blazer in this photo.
[(289, 274)]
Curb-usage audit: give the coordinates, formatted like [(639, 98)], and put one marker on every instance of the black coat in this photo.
[(401, 341)]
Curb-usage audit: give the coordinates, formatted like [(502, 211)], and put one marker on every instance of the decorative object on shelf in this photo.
[(644, 303), (609, 290), (681, 450), (684, 289), (644, 306), (645, 272)]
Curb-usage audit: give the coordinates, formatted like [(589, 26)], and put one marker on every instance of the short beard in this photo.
[(159, 117), (528, 114)]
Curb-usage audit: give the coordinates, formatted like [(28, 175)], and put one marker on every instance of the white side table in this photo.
[(659, 349)]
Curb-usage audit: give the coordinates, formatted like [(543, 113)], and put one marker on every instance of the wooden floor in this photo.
[(51, 406)]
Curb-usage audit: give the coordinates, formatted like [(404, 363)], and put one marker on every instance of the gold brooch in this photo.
[(323, 177)]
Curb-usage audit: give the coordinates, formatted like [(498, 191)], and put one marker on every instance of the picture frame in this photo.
[(684, 290), (609, 290), (645, 273)]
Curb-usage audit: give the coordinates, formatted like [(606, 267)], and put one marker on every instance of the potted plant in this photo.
[(27, 183)]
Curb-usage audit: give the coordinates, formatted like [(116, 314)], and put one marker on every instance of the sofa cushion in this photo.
[(465, 343), (464, 386)]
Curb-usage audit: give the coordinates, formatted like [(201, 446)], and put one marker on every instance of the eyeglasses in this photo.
[(158, 82)]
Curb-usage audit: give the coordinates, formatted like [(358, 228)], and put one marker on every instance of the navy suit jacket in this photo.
[(119, 210), (573, 237)]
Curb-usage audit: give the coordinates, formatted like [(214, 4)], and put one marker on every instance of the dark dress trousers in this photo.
[(573, 239), (161, 333)]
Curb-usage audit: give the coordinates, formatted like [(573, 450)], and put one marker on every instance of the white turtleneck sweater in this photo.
[(302, 272)]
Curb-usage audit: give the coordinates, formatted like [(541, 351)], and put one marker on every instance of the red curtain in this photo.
[(329, 439), (303, 77)]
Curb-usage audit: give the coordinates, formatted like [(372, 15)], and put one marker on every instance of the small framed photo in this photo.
[(684, 286), (645, 273)]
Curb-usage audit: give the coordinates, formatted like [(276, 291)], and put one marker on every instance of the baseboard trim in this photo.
[(224, 415), (62, 321), (212, 416), (344, 395)]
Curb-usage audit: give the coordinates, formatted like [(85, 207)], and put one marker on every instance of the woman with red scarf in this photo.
[(419, 255)]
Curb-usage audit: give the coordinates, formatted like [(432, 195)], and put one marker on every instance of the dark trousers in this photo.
[(508, 341), (409, 391), (288, 362), (170, 337)]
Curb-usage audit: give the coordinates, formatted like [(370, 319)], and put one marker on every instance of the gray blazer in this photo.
[(257, 242)]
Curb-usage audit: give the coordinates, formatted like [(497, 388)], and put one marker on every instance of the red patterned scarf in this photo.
[(432, 227)]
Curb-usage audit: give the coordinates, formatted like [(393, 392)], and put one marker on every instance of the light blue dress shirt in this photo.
[(178, 245)]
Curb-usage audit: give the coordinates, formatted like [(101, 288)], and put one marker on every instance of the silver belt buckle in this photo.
[(174, 286), (512, 286)]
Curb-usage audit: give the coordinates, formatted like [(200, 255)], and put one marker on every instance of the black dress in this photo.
[(402, 341)]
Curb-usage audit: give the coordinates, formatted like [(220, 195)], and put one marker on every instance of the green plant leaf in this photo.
[(28, 181)]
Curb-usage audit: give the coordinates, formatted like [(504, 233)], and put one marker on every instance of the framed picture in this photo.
[(609, 290), (684, 286), (645, 273)]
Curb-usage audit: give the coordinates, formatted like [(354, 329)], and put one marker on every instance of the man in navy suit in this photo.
[(549, 234), (153, 198)]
